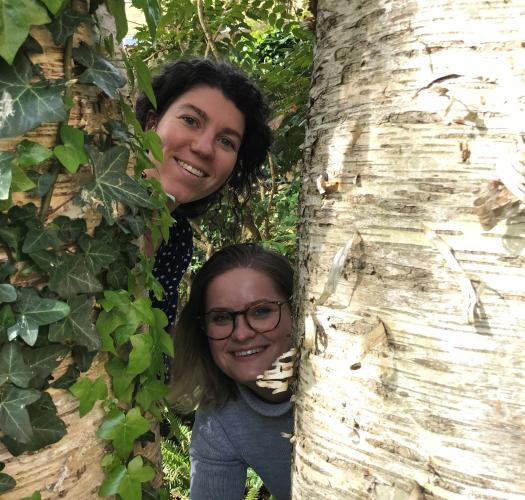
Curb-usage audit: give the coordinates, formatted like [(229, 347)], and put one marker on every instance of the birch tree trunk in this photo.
[(71, 467), (412, 254)]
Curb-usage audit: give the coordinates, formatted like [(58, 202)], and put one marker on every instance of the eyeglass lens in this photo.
[(261, 318)]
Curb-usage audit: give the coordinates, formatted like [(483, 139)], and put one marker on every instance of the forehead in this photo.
[(239, 287)]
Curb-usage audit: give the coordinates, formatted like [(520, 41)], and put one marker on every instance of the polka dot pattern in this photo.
[(171, 262)]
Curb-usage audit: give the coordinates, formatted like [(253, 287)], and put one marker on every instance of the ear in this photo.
[(151, 120)]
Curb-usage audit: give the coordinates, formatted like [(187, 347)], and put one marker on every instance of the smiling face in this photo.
[(246, 353), (201, 133)]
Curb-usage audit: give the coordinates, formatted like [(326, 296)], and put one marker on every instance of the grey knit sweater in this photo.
[(244, 432)]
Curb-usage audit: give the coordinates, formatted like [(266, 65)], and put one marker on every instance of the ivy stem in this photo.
[(55, 168)]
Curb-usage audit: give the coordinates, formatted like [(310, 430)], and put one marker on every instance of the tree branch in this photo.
[(206, 30)]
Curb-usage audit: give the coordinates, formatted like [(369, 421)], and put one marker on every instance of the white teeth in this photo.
[(190, 169), (248, 352)]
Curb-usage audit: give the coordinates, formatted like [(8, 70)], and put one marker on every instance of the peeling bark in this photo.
[(411, 381)]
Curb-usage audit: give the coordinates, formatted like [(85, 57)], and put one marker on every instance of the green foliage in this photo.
[(16, 17), (91, 289)]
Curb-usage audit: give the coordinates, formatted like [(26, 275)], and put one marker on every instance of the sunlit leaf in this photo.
[(54, 5), (118, 10), (144, 79), (31, 153), (26, 104), (88, 392), (140, 356), (16, 17), (152, 390), (122, 429), (151, 9), (20, 181), (71, 153), (5, 174), (98, 70)]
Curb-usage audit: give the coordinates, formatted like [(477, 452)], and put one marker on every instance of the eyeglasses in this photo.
[(261, 318)]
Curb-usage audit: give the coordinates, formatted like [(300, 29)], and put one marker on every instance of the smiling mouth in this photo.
[(192, 170), (248, 352)]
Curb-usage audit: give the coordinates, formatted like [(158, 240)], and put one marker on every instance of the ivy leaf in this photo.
[(42, 361), (40, 238), (118, 10), (69, 230), (97, 254), (72, 277), (144, 79), (6, 481), (31, 153), (6, 269), (130, 486), (5, 174), (16, 17), (7, 319), (122, 429), (68, 379), (66, 23), (71, 153), (14, 418), (151, 391), (108, 322), (111, 183), (27, 105), (12, 366), (45, 260), (47, 427), (98, 71), (152, 141), (151, 9), (78, 327), (20, 181), (54, 5), (25, 328), (7, 293), (121, 380), (88, 392), (41, 311), (111, 484), (140, 356)]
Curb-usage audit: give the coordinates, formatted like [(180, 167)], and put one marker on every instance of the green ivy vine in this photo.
[(66, 292)]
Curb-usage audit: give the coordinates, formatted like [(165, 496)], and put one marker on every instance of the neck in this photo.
[(267, 394)]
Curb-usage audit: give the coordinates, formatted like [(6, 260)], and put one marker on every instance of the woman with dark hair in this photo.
[(212, 122), (235, 326)]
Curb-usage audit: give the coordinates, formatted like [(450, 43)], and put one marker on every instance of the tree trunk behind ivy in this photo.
[(412, 254), (70, 468)]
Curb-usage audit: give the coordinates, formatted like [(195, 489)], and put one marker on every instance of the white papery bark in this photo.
[(412, 372)]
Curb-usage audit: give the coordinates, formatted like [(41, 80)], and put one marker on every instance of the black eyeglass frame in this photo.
[(233, 316)]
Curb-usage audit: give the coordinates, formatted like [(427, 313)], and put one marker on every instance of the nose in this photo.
[(242, 330), (203, 144)]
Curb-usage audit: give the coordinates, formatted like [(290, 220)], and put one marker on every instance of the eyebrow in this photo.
[(205, 117)]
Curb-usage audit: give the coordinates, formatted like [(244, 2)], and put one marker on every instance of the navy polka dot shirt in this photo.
[(171, 262)]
